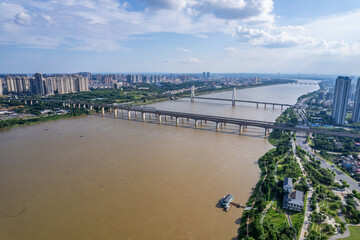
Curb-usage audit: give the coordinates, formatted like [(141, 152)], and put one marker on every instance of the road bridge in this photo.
[(196, 117), (234, 100)]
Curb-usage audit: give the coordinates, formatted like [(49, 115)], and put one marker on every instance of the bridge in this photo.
[(160, 114), (234, 100)]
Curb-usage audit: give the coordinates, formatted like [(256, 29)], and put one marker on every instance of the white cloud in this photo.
[(202, 36), (231, 50), (73, 22), (8, 11), (190, 60), (272, 37), (185, 50), (22, 18), (47, 18)]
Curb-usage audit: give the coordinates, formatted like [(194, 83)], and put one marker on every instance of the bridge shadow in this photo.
[(209, 126)]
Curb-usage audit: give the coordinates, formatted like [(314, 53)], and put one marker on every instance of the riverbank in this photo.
[(276, 164), (18, 122), (15, 122)]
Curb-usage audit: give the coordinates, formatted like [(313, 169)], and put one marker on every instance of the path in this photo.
[(248, 219)]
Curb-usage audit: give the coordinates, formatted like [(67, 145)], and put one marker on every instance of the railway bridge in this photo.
[(145, 112)]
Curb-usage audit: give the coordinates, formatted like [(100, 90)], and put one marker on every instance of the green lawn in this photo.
[(354, 233), (278, 219)]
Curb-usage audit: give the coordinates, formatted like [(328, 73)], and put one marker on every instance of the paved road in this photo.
[(309, 194), (301, 141)]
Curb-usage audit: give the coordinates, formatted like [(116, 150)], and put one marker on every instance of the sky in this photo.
[(180, 36)]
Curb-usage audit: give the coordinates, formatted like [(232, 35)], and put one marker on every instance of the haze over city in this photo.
[(180, 36)]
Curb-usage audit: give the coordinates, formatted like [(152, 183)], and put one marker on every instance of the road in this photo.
[(308, 210), (301, 141)]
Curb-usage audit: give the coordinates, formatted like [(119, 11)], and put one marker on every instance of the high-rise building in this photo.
[(207, 75), (1, 88), (356, 109), (341, 96), (38, 84)]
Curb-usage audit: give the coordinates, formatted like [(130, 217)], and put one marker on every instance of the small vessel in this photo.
[(226, 200)]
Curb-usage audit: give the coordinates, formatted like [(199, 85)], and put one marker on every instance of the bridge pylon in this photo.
[(234, 96), (192, 93)]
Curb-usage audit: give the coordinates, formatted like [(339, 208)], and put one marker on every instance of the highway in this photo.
[(301, 141)]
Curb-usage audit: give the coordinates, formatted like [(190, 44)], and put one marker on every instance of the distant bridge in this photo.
[(234, 100), (160, 114)]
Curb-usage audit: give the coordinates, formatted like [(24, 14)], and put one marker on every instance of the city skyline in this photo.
[(180, 36)]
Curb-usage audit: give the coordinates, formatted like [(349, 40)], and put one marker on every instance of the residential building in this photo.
[(1, 88), (356, 109), (341, 96)]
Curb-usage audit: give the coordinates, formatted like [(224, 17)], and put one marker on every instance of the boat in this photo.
[(226, 200)]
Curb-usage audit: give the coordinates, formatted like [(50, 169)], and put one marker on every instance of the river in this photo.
[(99, 177)]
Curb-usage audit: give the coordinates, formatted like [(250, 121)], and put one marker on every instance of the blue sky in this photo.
[(264, 36)]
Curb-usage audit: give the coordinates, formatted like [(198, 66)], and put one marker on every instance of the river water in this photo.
[(99, 177)]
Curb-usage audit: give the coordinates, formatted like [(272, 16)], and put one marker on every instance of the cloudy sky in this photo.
[(248, 36)]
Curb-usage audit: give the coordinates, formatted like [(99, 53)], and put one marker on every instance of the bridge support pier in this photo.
[(266, 131), (265, 106), (234, 96), (273, 106), (177, 121), (192, 96), (240, 128), (74, 105), (91, 108), (129, 114), (31, 103), (79, 105), (143, 116), (115, 112), (159, 118), (257, 105), (196, 123), (103, 111), (282, 106)]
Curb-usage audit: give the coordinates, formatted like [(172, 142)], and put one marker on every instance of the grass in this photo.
[(277, 218), (297, 219), (354, 233)]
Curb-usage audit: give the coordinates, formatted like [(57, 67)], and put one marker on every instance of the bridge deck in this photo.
[(246, 101), (216, 119)]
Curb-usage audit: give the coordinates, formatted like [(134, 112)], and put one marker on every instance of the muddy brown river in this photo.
[(99, 177)]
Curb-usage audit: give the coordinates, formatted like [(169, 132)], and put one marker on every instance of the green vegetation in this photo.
[(354, 233), (288, 117), (29, 121), (344, 144), (318, 174), (275, 224), (350, 213), (34, 113)]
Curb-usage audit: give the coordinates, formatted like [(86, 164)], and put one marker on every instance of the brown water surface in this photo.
[(125, 179)]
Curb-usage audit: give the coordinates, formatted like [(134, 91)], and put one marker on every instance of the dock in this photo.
[(238, 205)]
